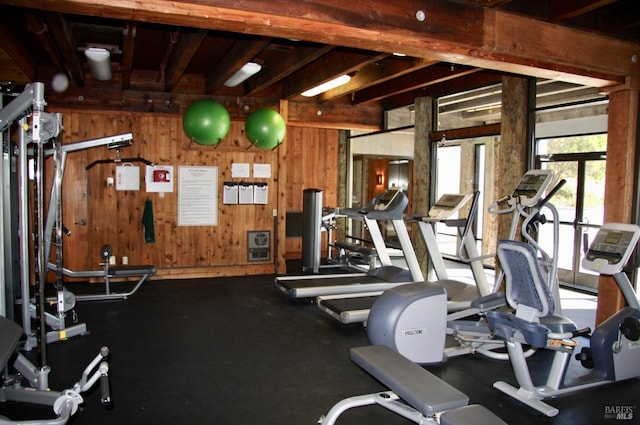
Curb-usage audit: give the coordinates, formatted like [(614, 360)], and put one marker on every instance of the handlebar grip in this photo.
[(503, 201), (105, 389), (581, 332)]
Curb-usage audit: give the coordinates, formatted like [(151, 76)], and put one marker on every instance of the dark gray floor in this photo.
[(237, 351)]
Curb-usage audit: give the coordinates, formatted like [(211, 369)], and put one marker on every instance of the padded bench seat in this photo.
[(10, 334), (418, 387), (473, 414), (132, 271)]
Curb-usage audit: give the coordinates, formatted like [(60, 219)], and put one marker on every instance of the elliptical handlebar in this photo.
[(551, 194), (536, 217)]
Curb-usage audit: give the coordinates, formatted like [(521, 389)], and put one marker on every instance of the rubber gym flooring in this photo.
[(235, 350)]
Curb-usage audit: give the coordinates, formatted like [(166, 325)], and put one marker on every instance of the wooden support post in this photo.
[(421, 172), (622, 142), (506, 158), (280, 262), (510, 152), (344, 154)]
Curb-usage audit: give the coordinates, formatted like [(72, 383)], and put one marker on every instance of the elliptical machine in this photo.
[(614, 350), (412, 319)]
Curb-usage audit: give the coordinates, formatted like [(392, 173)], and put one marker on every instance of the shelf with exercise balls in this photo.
[(206, 122), (265, 128)]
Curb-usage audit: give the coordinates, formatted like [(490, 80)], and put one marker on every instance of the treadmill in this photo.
[(355, 309), (388, 206)]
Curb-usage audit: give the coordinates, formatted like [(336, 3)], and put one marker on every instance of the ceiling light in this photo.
[(247, 70), (331, 84), (99, 60)]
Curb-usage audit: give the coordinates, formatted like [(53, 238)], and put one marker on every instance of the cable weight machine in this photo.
[(35, 127)]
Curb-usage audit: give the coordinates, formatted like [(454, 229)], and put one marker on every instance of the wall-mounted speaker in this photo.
[(258, 245)]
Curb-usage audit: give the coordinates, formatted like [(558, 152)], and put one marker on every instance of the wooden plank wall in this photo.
[(312, 164), (97, 215)]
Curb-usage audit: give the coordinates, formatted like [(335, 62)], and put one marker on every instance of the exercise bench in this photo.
[(427, 398), (141, 272)]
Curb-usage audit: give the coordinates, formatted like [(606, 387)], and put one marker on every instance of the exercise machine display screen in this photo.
[(532, 187), (386, 199), (447, 205), (610, 250)]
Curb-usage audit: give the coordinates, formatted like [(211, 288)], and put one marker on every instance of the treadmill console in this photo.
[(389, 205), (611, 249), (531, 187), (447, 205), (385, 200)]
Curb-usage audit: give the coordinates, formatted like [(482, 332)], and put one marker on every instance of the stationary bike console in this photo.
[(611, 249)]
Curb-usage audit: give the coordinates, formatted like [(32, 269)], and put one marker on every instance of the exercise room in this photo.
[(319, 212)]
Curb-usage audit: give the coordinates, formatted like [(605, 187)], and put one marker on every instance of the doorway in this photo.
[(580, 205)]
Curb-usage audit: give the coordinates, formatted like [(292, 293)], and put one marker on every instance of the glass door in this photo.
[(580, 205), (449, 176)]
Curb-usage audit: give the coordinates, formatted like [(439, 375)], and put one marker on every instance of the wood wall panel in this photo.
[(313, 164), (98, 215)]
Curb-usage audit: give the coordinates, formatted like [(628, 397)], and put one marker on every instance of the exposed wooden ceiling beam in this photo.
[(377, 73), (128, 46), (40, 28), (185, 49), (66, 46), (334, 64), (433, 74), (300, 113), (567, 9), (449, 32), (241, 52), (292, 62), (459, 85), (15, 49), (616, 18)]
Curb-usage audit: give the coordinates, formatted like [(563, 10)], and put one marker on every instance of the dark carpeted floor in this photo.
[(237, 351)]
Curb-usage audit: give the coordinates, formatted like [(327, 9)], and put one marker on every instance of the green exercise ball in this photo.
[(265, 128), (206, 122)]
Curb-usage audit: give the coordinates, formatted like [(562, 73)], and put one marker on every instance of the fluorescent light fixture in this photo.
[(247, 70), (99, 60), (331, 84)]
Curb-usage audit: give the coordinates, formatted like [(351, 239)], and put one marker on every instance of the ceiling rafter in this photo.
[(66, 46), (38, 27), (334, 64), (377, 73), (186, 47), (25, 63), (128, 46), (564, 10), (434, 74), (464, 83), (297, 59), (241, 52)]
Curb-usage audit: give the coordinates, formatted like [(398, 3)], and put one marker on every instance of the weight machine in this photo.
[(43, 128)]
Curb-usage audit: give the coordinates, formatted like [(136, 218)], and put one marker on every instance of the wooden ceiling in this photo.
[(165, 54)]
